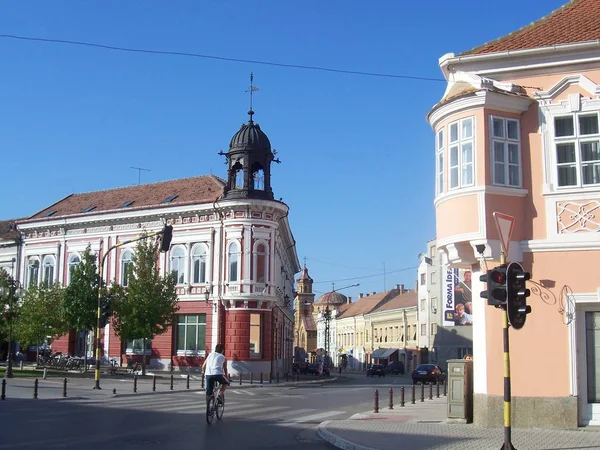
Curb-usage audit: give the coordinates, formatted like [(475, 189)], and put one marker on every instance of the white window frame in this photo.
[(238, 261), (439, 162), (198, 252), (71, 265), (256, 354), (48, 263), (132, 349), (576, 139), (123, 264), (505, 141), (255, 262), (178, 257), (461, 141), (32, 262), (201, 350)]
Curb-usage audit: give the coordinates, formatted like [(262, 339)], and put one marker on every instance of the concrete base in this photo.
[(527, 412)]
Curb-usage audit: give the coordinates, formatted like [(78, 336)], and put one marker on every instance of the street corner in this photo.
[(336, 440)]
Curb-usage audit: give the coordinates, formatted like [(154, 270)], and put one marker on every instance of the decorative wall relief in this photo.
[(577, 216)]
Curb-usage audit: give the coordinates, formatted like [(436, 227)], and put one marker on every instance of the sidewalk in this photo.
[(424, 426)]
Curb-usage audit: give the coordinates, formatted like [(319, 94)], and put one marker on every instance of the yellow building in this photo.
[(305, 328)]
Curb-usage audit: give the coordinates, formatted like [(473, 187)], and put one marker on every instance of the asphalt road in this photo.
[(256, 417)]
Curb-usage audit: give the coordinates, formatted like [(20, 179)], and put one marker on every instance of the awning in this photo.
[(383, 353)]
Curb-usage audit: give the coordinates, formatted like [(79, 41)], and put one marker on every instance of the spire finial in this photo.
[(251, 90), (305, 262)]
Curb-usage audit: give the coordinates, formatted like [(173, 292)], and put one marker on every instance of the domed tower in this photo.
[(249, 163)]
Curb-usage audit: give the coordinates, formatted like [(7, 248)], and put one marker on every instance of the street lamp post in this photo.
[(11, 293)]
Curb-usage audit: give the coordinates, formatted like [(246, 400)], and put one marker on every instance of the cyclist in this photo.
[(215, 369)]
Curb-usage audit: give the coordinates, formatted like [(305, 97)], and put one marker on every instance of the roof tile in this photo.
[(577, 21)]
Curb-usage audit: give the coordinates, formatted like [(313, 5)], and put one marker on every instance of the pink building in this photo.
[(518, 132)]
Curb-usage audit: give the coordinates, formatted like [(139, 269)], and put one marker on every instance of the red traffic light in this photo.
[(497, 277)]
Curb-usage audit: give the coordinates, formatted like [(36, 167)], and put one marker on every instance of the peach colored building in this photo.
[(518, 132)]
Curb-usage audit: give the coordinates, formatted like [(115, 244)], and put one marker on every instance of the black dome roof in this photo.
[(250, 136)]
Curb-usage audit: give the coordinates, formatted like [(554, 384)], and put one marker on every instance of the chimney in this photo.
[(374, 293), (360, 295), (349, 300)]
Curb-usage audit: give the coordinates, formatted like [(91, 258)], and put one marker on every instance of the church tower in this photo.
[(305, 338)]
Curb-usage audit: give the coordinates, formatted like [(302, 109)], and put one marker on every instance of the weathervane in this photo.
[(252, 89)]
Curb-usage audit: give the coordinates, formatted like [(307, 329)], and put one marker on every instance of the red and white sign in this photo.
[(504, 225)]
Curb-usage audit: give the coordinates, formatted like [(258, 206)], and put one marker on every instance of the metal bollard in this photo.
[(422, 391), (21, 365), (44, 375), (437, 389), (135, 383), (35, 388), (402, 396), (251, 377), (65, 387), (270, 377), (391, 405), (3, 397), (261, 378), (445, 387), (277, 377), (287, 377), (412, 400), (171, 381), (298, 376), (202, 381), (187, 381), (240, 378), (430, 391), (376, 404), (153, 383)]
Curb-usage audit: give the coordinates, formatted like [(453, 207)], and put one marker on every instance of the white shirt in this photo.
[(214, 364)]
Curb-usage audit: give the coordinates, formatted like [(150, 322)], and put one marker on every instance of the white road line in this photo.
[(304, 419), (241, 411), (293, 412)]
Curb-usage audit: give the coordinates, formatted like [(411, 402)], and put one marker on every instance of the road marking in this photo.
[(256, 410), (304, 419)]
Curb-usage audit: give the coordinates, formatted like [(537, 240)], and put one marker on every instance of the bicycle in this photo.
[(215, 405)]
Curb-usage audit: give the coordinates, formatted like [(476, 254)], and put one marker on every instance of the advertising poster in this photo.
[(457, 297)]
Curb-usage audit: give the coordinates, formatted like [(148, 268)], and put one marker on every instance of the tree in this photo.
[(146, 307), (80, 303), (4, 277), (40, 315)]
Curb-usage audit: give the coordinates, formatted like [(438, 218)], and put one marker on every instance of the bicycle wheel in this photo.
[(220, 403), (210, 410)]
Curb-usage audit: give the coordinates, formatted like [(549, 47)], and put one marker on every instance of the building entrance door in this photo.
[(592, 356)]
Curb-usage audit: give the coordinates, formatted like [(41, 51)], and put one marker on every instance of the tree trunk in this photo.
[(143, 356), (85, 350)]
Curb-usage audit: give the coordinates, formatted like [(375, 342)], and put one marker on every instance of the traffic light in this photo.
[(166, 237), (517, 294), (496, 286), (105, 311)]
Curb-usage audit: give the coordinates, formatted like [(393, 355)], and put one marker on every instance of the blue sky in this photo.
[(357, 153)]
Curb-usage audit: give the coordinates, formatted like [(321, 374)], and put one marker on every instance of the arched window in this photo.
[(199, 264), (258, 179), (48, 268), (260, 263), (233, 258), (74, 261), (33, 271), (178, 264), (126, 266)]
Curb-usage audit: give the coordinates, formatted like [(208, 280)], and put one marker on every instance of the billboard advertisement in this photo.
[(457, 297)]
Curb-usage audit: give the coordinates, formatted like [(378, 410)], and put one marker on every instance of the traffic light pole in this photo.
[(507, 394), (99, 312)]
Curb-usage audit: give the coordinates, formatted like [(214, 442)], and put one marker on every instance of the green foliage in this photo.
[(145, 308), (4, 276), (80, 305), (40, 315)]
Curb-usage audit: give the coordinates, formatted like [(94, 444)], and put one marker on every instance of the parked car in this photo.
[(376, 369), (428, 373), (395, 368)]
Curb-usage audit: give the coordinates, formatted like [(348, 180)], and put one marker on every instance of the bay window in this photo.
[(461, 143), (506, 152)]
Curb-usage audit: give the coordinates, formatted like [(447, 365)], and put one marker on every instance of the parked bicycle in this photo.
[(216, 404)]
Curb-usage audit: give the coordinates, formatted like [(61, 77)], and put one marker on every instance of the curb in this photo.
[(336, 440)]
